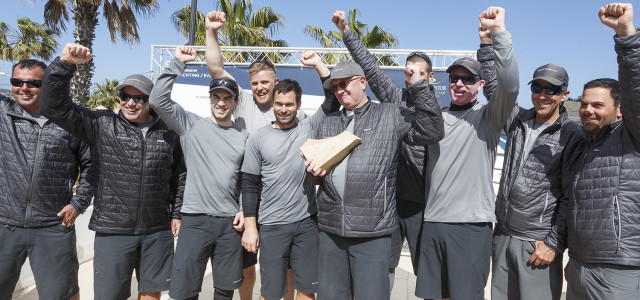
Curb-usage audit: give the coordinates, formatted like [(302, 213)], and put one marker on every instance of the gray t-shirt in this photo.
[(288, 195), (532, 131), (144, 127), (339, 174), (213, 154), (252, 116), (38, 117)]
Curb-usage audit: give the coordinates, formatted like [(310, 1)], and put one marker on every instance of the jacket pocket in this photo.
[(544, 209), (616, 222)]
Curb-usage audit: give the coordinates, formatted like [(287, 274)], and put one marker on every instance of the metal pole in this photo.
[(192, 25)]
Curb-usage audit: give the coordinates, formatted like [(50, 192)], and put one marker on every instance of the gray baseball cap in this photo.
[(468, 63), (344, 69), (554, 74), (138, 81)]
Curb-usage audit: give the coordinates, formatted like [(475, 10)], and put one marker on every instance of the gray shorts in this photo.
[(513, 277), (360, 265), (602, 281), (294, 244), (202, 238), (454, 260), (52, 255), (117, 256)]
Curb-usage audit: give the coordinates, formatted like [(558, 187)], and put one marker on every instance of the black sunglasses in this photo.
[(550, 89), (263, 62), (32, 83), (140, 99), (465, 79), (343, 84)]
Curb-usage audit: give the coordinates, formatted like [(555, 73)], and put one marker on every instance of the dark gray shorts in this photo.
[(294, 244), (513, 277), (360, 265), (202, 238), (454, 260), (117, 256), (602, 281), (52, 255)]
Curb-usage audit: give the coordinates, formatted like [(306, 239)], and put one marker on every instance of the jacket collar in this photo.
[(605, 131), (531, 115)]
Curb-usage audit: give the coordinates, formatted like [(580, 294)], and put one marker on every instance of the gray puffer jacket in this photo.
[(411, 162), (141, 178), (38, 168), (605, 200), (369, 208)]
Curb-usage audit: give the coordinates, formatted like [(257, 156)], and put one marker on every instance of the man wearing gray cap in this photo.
[(141, 180), (356, 199), (527, 243), (456, 237)]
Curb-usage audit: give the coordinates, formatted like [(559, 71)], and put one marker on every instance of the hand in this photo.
[(493, 19), (543, 255), (484, 34), (618, 16), (175, 226), (68, 215), (75, 54), (340, 19), (310, 58), (214, 20), (238, 222), (309, 164), (412, 74), (186, 54), (251, 239)]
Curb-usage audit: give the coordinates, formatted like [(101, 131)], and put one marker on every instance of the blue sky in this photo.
[(567, 33)]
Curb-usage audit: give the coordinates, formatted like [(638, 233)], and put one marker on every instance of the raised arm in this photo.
[(424, 124), (330, 104), (172, 113), (379, 82), (56, 104), (214, 21), (619, 16), (500, 105)]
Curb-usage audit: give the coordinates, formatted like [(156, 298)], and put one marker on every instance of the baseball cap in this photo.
[(554, 74), (138, 81), (224, 83), (421, 55), (343, 69), (468, 63)]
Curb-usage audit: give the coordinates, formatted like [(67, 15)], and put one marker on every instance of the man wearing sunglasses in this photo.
[(410, 191), (527, 243), (142, 175), (40, 164), (211, 214)]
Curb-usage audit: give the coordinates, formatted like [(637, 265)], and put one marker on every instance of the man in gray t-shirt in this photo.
[(211, 209)]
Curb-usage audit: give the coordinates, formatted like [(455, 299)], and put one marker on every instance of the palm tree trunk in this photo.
[(86, 19)]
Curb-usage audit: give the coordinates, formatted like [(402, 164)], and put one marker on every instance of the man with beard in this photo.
[(141, 174), (287, 209), (210, 210), (40, 163)]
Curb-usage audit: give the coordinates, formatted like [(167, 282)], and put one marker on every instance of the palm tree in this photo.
[(105, 95), (375, 38), (121, 21), (243, 27), (29, 40)]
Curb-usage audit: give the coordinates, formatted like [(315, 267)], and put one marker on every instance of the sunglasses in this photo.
[(32, 83), (228, 83), (139, 99), (263, 62), (343, 84), (465, 79), (550, 89)]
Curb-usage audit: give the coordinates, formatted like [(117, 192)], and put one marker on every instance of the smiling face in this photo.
[(547, 106), (27, 97), (222, 104), (132, 111), (461, 93), (262, 83), (285, 107), (597, 109), (350, 91)]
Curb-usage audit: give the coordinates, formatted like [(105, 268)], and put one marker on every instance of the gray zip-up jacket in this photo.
[(369, 207), (604, 197), (411, 162)]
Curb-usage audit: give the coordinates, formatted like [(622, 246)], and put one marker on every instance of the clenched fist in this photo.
[(75, 54), (340, 19), (215, 20), (493, 19), (618, 16)]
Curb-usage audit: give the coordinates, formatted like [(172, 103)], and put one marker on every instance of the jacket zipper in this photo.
[(33, 177), (546, 203), (142, 176)]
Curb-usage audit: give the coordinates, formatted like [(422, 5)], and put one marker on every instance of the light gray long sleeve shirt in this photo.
[(213, 154), (460, 166)]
